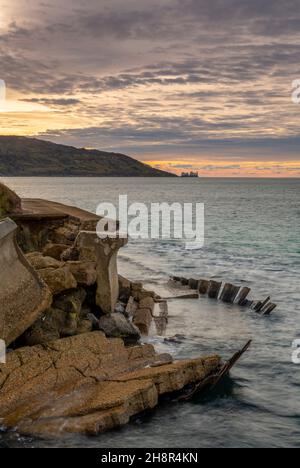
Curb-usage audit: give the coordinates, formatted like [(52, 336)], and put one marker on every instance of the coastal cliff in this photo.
[(26, 157)]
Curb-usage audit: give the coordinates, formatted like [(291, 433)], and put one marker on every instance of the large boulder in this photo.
[(39, 262), (64, 318), (84, 272), (88, 384), (55, 250), (59, 279), (117, 326), (10, 203)]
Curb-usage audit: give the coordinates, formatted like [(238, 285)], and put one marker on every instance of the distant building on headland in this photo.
[(190, 174)]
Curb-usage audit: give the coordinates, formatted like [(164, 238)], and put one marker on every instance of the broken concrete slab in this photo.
[(23, 294), (104, 252)]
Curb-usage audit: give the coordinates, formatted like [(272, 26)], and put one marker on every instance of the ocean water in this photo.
[(251, 238)]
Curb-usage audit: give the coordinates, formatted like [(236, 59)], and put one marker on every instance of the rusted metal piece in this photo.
[(213, 380)]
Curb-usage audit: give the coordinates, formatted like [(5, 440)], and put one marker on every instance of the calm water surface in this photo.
[(252, 237)]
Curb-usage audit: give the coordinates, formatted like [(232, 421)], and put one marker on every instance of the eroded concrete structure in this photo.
[(23, 295)]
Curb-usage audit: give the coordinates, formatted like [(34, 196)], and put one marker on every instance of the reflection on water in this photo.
[(252, 238)]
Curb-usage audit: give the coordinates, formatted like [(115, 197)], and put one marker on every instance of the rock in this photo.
[(71, 254), (94, 321), (88, 384), (39, 262), (84, 326), (142, 320), (177, 279), (64, 318), (142, 294), (46, 329), (84, 272), (58, 280), (147, 303), (124, 288), (71, 325), (177, 339), (23, 295), (9, 201), (131, 307), (120, 308), (71, 302), (117, 326), (55, 250), (64, 235)]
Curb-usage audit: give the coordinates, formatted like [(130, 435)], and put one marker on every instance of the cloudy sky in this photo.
[(197, 84)]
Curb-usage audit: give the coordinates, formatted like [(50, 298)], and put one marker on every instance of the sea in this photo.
[(252, 238)]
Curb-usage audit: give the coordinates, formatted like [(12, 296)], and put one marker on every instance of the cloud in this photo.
[(182, 166), (54, 102), (157, 77)]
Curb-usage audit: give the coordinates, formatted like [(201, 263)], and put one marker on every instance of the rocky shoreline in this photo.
[(73, 326)]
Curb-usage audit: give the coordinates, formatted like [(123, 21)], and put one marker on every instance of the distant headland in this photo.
[(28, 157)]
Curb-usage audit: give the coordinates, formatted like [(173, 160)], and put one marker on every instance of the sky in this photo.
[(179, 84)]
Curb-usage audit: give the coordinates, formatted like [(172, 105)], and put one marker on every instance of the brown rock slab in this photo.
[(84, 272), (58, 280), (88, 384), (39, 262), (55, 250), (64, 235)]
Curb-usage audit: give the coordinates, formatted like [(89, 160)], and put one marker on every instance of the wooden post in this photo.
[(184, 281), (193, 283), (243, 296), (203, 286), (269, 308), (214, 289), (229, 293), (247, 303), (261, 305), (256, 305)]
